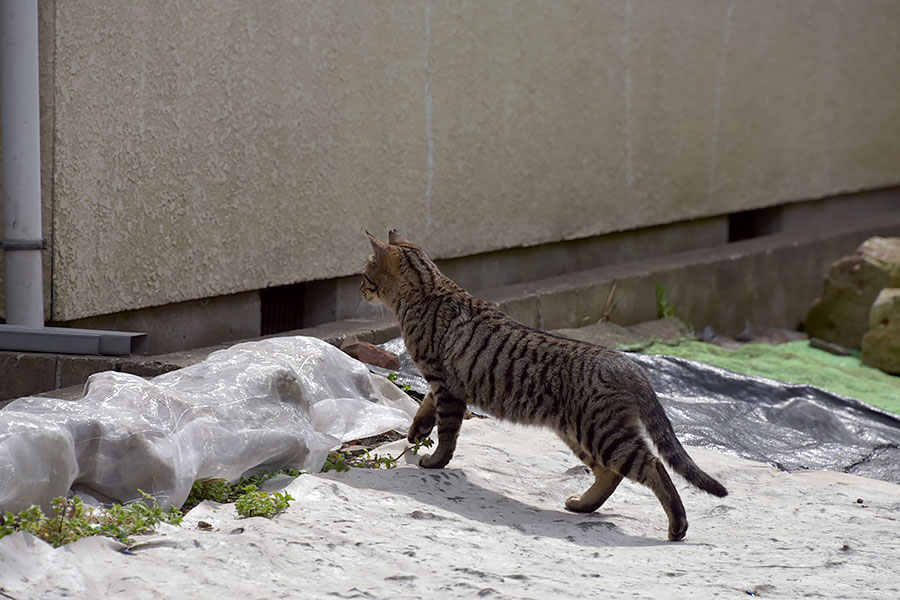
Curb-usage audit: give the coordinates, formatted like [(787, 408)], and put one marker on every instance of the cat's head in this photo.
[(395, 270)]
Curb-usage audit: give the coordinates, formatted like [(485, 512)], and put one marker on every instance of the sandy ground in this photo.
[(492, 525)]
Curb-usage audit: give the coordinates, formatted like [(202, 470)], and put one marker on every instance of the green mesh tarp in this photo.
[(796, 362)]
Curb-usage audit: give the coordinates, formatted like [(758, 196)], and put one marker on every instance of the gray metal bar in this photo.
[(13, 245), (63, 340)]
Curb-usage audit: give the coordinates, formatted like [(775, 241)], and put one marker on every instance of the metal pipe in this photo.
[(20, 121)]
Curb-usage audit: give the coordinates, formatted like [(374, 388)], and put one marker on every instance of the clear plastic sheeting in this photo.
[(276, 403), (408, 374), (790, 426)]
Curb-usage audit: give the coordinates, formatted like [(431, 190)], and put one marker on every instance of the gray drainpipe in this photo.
[(20, 116), (22, 235)]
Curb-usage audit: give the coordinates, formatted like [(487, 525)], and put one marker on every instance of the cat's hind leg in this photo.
[(658, 480), (605, 483), (636, 462)]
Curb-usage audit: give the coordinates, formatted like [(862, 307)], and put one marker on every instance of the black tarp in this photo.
[(789, 426)]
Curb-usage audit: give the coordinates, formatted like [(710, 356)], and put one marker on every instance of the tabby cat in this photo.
[(598, 401)]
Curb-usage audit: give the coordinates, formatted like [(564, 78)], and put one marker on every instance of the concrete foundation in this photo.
[(186, 325), (768, 280)]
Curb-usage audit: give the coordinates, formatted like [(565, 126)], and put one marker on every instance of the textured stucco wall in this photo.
[(203, 148)]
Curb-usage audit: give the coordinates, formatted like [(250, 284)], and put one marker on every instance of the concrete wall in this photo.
[(206, 148)]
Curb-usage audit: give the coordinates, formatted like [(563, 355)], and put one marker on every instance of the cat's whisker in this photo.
[(360, 307)]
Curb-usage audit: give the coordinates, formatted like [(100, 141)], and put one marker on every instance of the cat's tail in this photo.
[(670, 449)]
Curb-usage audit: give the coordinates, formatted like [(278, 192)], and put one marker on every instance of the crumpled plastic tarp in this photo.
[(789, 426), (276, 403)]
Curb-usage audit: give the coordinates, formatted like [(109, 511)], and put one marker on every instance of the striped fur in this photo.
[(598, 401)]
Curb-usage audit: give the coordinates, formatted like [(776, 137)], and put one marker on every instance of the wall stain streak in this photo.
[(723, 55), (629, 153), (428, 131)]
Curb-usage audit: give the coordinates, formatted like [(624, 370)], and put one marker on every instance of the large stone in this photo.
[(881, 344), (370, 354), (841, 314)]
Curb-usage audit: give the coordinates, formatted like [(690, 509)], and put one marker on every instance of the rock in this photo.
[(670, 329), (370, 354), (841, 315), (610, 335), (602, 333), (835, 349), (763, 334), (885, 253), (881, 344)]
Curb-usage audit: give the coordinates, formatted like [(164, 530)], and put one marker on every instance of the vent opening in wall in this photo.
[(750, 224), (297, 305), (281, 308)]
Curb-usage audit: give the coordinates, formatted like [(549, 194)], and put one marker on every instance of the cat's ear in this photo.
[(378, 247), (395, 238)]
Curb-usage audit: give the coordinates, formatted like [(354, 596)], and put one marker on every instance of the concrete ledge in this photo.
[(61, 375), (768, 280)]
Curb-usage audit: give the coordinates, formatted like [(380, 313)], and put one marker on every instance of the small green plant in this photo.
[(223, 492), (216, 490), (664, 307), (392, 377), (342, 461), (421, 443), (72, 520), (263, 476), (336, 461), (254, 503)]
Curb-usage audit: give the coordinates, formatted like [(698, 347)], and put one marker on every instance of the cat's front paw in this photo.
[(578, 505), (420, 429), (433, 461)]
